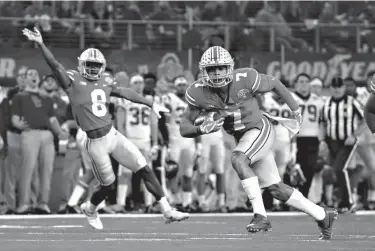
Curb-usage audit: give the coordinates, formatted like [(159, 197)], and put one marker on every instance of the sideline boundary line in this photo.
[(145, 216)]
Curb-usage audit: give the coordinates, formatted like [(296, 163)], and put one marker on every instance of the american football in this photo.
[(207, 115)]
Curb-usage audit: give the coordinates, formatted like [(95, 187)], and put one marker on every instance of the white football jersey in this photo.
[(362, 95), (177, 107), (310, 110), (274, 108), (138, 121)]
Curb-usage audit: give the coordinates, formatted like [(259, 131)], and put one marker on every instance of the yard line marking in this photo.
[(38, 227), (145, 216), (130, 233)]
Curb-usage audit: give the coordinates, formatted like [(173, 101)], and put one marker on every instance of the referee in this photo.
[(341, 124)]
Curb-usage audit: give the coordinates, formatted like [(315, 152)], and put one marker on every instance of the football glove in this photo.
[(210, 126), (297, 116), (33, 35), (158, 108)]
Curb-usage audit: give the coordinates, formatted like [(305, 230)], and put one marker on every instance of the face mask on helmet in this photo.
[(218, 76), (92, 70)]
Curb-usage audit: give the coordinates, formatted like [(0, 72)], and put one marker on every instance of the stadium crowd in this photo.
[(103, 23), (33, 146)]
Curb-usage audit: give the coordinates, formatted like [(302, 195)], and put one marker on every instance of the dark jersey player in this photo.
[(231, 94), (89, 90)]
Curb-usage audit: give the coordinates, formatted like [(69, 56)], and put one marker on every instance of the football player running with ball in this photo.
[(89, 92), (230, 95)]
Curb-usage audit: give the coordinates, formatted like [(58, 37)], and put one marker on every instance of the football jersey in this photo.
[(275, 108), (177, 107), (240, 107), (310, 110), (362, 95), (90, 100), (138, 121)]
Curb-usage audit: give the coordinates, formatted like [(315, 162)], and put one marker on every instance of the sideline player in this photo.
[(212, 158), (307, 138), (229, 94), (89, 91), (181, 150), (284, 150), (141, 128)]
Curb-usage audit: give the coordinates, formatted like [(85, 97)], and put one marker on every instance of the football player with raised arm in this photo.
[(229, 95), (89, 90)]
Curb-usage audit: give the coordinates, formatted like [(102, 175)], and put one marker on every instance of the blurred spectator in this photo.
[(129, 11), (336, 37), (316, 86), (12, 141), (162, 36), (271, 17), (39, 14), (70, 29), (101, 32), (49, 88), (33, 115)]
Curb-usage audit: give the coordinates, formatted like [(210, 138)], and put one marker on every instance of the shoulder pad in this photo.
[(194, 93), (73, 75), (248, 77)]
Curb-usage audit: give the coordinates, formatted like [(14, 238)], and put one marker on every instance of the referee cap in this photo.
[(337, 82)]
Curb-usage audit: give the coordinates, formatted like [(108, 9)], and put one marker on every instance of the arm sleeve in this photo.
[(190, 99)]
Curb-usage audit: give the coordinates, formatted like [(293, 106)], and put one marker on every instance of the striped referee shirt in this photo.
[(341, 117)]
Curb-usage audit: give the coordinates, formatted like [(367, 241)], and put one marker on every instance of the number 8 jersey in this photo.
[(90, 100), (310, 108)]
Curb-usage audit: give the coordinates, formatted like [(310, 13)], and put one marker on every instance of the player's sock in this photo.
[(328, 193), (164, 205), (297, 200), (147, 198), (201, 200), (151, 182), (220, 183), (187, 198), (77, 194), (252, 189), (122, 190), (371, 195), (100, 195), (221, 199)]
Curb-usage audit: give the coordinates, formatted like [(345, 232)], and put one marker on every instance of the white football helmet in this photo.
[(91, 64), (216, 58)]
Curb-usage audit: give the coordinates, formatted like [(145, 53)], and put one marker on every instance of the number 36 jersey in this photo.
[(138, 121), (310, 107), (90, 100)]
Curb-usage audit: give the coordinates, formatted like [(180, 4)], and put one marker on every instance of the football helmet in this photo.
[(91, 64), (213, 59)]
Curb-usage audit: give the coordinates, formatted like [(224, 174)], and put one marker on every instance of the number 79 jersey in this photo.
[(90, 100), (310, 109)]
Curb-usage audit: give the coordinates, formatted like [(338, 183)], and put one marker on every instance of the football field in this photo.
[(216, 232)]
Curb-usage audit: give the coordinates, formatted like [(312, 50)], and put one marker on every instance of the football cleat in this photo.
[(174, 215), (325, 225), (259, 223), (92, 217)]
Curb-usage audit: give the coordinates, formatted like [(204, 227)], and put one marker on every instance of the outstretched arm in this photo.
[(133, 96), (130, 95), (58, 70)]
